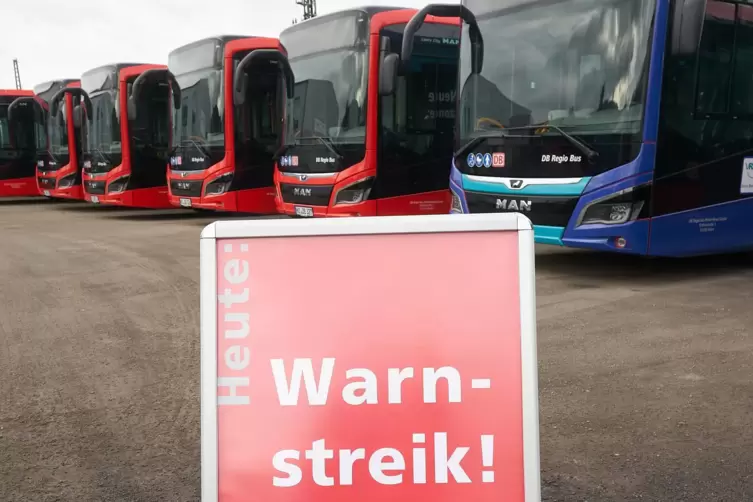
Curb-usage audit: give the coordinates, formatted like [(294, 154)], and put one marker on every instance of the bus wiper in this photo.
[(589, 152), (201, 148), (328, 143), (497, 133)]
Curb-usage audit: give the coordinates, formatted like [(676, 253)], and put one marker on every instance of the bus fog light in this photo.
[(620, 242), (354, 193)]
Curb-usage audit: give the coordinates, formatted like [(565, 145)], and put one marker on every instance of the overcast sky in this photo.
[(61, 39)]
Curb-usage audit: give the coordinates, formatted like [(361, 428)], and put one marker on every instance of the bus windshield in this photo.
[(103, 135), (23, 135), (58, 130), (201, 116), (330, 65), (580, 65)]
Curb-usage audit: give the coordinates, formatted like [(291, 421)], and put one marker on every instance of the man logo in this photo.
[(303, 177), (303, 192), (516, 184), (514, 205), (183, 175)]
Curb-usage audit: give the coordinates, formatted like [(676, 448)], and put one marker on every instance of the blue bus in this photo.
[(616, 125)]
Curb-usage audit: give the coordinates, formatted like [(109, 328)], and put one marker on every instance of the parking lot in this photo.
[(646, 366)]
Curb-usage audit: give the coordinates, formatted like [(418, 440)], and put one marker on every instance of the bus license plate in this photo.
[(185, 202), (304, 211), (95, 199), (46, 193)]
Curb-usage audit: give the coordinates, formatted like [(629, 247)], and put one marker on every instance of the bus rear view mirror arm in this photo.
[(73, 91), (445, 10), (16, 103), (240, 79), (155, 74), (388, 74)]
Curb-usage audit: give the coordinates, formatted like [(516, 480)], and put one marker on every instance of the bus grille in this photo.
[(546, 211), (94, 187), (186, 188), (310, 195)]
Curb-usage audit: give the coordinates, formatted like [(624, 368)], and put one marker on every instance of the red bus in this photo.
[(22, 137), (227, 129), (353, 147), (59, 170), (127, 134)]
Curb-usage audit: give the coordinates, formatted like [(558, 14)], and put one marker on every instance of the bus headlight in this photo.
[(354, 193), (219, 185), (118, 185), (456, 206), (67, 182), (622, 207)]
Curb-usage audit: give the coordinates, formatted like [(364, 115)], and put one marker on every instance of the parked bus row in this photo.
[(618, 125)]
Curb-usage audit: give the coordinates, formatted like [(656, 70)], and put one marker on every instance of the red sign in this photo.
[(498, 159), (369, 359)]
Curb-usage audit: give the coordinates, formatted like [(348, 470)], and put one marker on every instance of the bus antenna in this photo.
[(16, 74)]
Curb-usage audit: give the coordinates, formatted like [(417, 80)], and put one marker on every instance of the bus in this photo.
[(228, 126), (21, 137), (613, 125), (59, 168), (366, 135), (127, 134)]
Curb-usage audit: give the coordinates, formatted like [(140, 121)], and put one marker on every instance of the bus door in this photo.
[(417, 120), (25, 133), (149, 111), (260, 80)]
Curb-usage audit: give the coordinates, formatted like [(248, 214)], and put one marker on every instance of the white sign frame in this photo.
[(245, 229)]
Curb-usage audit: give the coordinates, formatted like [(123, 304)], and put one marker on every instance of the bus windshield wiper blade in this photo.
[(497, 133), (326, 142), (589, 152)]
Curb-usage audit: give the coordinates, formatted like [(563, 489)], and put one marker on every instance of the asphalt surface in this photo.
[(646, 366)]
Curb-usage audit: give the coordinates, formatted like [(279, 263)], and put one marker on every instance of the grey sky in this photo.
[(58, 39)]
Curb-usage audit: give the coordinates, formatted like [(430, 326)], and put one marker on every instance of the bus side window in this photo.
[(725, 60)]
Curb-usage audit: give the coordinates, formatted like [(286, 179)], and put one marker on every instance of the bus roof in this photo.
[(368, 10), (222, 39), (46, 86), (16, 92), (115, 67)]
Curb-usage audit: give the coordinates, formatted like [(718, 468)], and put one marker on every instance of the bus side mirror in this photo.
[(132, 113), (239, 87), (388, 73), (77, 120)]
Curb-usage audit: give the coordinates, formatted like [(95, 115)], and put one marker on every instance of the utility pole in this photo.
[(16, 74)]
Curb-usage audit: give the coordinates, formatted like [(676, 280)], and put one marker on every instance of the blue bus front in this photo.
[(620, 125)]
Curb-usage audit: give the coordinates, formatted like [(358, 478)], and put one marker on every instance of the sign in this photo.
[(746, 183), (385, 365)]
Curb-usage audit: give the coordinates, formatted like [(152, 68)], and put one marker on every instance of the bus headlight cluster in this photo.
[(219, 185), (355, 193), (622, 207), (118, 185), (67, 182), (456, 206)]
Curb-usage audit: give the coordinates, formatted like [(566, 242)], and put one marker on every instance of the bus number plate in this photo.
[(306, 212), (46, 193), (185, 202), (95, 199)]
